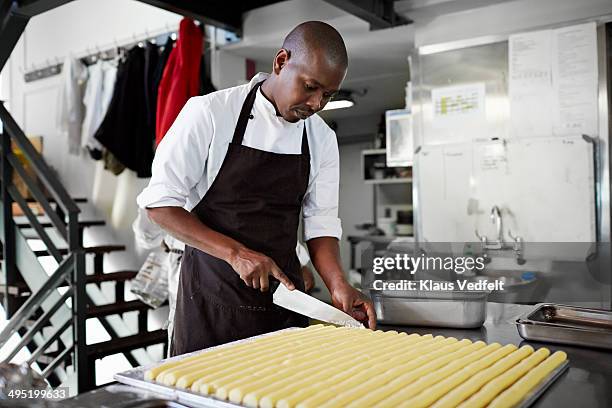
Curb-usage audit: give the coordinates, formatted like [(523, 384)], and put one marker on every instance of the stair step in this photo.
[(104, 249), (119, 276), (115, 308), (47, 224), (99, 249), (52, 200), (123, 344), (18, 289), (47, 358), (21, 288)]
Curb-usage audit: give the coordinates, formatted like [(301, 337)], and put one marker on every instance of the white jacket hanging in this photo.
[(70, 108)]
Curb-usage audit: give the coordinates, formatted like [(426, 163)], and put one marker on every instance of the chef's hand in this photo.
[(308, 279), (255, 268), (353, 302)]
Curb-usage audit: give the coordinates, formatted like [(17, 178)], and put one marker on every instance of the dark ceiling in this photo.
[(228, 14)]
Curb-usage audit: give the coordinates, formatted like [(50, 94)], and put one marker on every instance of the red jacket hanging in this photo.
[(181, 78)]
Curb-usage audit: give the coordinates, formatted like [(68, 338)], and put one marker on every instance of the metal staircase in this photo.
[(49, 311)]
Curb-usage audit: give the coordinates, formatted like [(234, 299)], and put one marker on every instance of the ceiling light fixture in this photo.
[(338, 104), (342, 100)]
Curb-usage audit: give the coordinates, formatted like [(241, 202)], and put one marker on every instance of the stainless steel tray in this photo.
[(541, 388), (564, 324), (135, 377), (197, 401), (455, 309)]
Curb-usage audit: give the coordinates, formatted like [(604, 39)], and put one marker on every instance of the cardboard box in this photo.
[(37, 142)]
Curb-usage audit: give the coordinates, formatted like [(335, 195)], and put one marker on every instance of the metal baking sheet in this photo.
[(532, 396), (579, 326), (135, 378)]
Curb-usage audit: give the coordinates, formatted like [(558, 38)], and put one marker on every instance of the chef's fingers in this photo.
[(255, 283), (247, 282), (278, 274), (308, 286), (359, 315), (264, 283), (347, 305), (369, 308)]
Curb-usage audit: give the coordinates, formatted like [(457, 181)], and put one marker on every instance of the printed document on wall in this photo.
[(530, 84), (459, 110), (460, 101), (574, 72)]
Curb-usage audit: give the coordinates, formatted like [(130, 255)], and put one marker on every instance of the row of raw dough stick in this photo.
[(326, 366)]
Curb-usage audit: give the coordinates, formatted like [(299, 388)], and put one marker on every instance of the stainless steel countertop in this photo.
[(587, 383)]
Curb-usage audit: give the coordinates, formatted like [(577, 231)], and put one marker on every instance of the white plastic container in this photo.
[(387, 225)]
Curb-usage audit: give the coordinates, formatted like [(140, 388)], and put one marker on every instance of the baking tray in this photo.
[(135, 378), (454, 309), (565, 324), (541, 388)]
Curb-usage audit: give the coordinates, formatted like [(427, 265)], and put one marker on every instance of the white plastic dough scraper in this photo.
[(306, 305)]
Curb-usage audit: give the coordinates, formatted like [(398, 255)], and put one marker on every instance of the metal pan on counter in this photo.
[(579, 326), (453, 308)]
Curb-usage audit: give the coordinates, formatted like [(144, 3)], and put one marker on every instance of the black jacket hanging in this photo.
[(150, 84), (124, 131), (206, 85)]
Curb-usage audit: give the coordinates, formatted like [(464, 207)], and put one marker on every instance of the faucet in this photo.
[(518, 248), (496, 219)]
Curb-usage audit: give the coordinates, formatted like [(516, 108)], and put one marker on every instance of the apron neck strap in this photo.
[(305, 148), (243, 120), (245, 112)]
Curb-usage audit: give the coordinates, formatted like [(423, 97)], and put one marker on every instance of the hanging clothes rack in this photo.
[(105, 52)]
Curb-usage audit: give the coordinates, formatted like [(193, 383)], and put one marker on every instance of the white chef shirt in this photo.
[(191, 153), (98, 94), (69, 114)]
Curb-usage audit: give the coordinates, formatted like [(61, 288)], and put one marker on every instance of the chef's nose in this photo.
[(315, 102)]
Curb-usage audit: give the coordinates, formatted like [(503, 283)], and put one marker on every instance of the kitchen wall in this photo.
[(455, 20), (73, 29), (356, 198)]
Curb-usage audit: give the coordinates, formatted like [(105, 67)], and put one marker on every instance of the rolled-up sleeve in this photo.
[(180, 158), (147, 234), (320, 208)]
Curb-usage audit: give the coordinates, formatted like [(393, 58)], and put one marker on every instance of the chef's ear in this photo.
[(282, 56)]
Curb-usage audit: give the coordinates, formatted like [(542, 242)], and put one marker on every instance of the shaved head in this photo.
[(307, 37), (307, 71)]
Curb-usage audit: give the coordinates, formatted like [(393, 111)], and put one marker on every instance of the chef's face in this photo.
[(306, 83)]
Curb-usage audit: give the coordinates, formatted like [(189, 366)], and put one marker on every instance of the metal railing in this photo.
[(70, 269)]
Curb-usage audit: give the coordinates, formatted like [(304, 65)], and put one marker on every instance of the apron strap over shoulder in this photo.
[(305, 148), (243, 119)]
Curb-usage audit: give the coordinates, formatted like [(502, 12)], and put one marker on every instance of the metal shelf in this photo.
[(389, 180)]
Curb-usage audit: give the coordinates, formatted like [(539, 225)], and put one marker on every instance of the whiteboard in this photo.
[(544, 187)]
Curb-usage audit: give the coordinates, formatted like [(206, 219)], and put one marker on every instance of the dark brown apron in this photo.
[(255, 199)]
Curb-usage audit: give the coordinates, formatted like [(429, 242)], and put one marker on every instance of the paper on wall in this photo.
[(530, 84), (464, 103), (553, 82), (575, 80)]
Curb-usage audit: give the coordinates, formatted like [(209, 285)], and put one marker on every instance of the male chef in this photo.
[(231, 179)]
